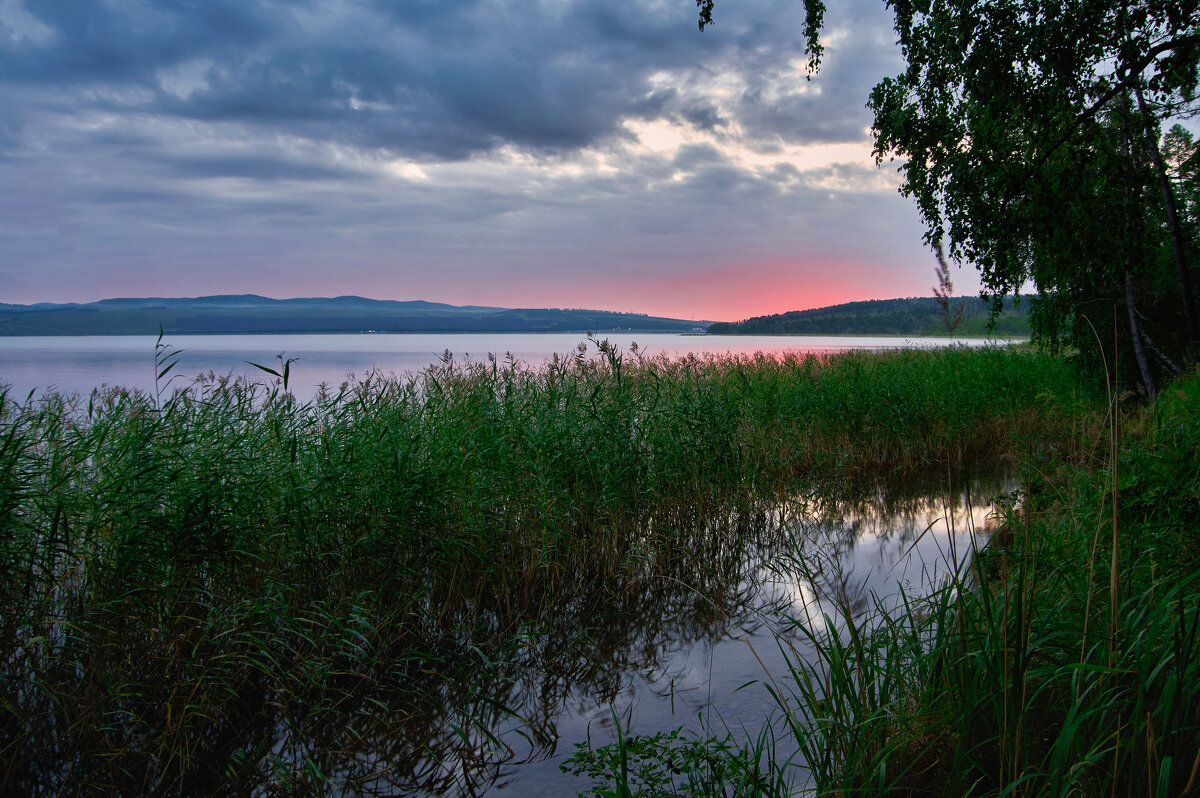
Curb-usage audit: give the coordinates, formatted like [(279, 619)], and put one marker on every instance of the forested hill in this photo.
[(915, 316), (256, 314), (248, 313)]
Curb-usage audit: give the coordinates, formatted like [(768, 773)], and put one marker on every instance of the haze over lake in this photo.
[(77, 364)]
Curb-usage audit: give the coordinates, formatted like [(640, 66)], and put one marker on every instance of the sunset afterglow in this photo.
[(607, 156)]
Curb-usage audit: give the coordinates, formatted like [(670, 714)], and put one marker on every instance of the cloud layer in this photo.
[(509, 152)]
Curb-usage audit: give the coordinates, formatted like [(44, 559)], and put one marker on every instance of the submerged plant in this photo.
[(677, 763)]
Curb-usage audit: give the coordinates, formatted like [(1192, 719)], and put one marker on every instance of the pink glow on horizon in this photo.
[(732, 293), (710, 292)]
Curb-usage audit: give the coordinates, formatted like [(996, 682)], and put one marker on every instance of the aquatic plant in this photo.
[(1064, 660), (222, 587)]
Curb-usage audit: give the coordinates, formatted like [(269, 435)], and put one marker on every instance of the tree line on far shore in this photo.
[(912, 316)]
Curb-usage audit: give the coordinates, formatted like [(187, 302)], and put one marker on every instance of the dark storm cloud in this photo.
[(539, 139), (831, 106), (124, 40), (703, 115), (433, 80)]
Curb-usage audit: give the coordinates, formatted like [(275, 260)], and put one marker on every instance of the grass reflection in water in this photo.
[(396, 586)]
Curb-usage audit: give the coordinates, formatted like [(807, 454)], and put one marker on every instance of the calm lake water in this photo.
[(675, 647), (77, 364), (696, 646)]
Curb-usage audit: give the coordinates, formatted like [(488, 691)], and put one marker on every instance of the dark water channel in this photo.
[(684, 637)]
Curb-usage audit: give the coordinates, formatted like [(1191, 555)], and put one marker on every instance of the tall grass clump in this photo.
[(1065, 661), (222, 588)]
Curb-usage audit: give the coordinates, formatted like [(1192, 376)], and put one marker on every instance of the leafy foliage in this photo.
[(1022, 150), (913, 316), (1028, 134)]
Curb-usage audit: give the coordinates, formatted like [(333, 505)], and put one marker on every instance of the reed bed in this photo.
[(1067, 663), (1064, 661), (225, 589)]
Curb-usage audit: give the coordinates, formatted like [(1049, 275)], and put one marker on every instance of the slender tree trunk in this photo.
[(1185, 278), (1139, 348), (1135, 328)]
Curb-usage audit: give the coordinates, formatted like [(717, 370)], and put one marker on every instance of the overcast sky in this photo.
[(559, 153)]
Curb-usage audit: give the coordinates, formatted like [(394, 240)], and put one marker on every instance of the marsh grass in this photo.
[(222, 588), (1064, 660), (1022, 681)]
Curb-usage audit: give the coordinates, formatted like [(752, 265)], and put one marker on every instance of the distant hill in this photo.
[(915, 316), (249, 313)]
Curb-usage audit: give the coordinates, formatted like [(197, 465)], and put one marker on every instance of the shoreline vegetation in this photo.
[(970, 317), (1064, 660), (251, 314), (227, 589)]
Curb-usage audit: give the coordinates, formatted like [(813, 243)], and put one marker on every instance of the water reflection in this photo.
[(695, 608), (466, 691)]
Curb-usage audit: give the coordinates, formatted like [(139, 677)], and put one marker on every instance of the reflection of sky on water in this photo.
[(666, 645), (79, 364), (885, 555), (856, 557), (689, 640)]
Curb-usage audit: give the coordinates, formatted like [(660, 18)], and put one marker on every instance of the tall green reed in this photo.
[(1018, 676), (222, 585)]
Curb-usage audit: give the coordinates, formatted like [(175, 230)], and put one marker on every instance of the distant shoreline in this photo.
[(255, 315)]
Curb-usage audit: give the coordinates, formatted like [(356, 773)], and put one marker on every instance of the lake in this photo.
[(695, 644), (708, 663), (77, 364), (674, 642)]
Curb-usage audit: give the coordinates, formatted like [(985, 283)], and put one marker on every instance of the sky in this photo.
[(519, 153)]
